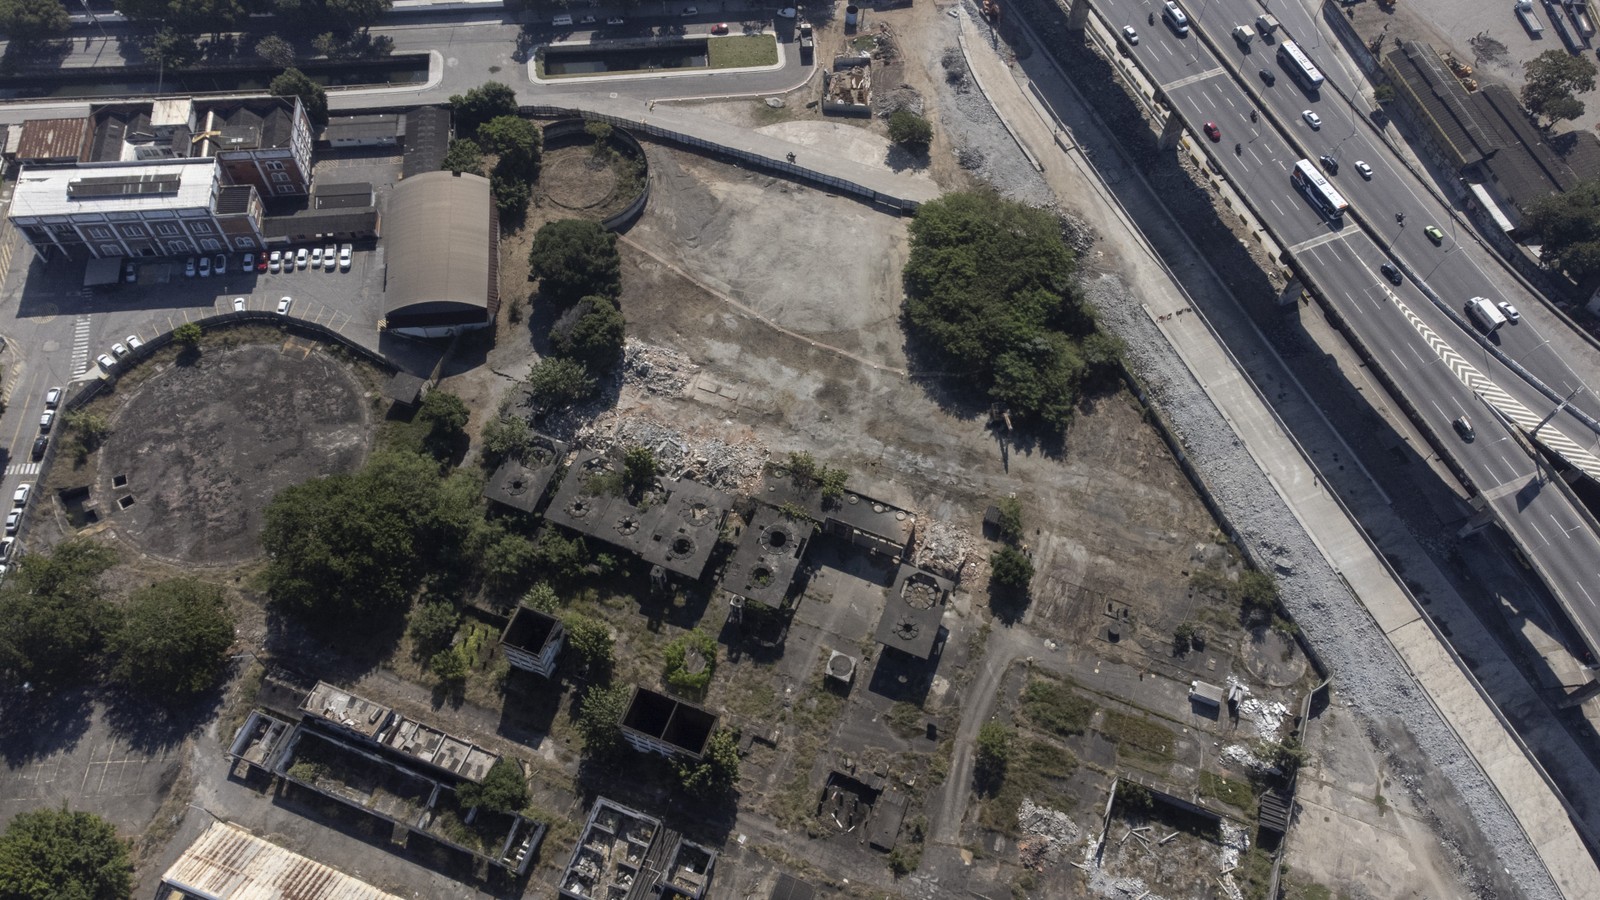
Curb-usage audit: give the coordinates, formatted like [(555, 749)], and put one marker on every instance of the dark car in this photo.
[(39, 446), (1391, 272), (1268, 77), (1464, 428), (1330, 164)]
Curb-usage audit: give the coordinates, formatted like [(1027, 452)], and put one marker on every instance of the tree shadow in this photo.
[(1008, 604), (340, 650), (55, 722), (900, 158), (150, 724)]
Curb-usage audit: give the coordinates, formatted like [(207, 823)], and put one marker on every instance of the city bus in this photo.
[(1297, 64), (1310, 182)]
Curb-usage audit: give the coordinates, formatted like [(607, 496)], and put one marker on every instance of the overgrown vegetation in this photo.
[(996, 744), (1566, 226), (173, 639), (910, 130), (56, 617), (1139, 736), (62, 854), (504, 788), (690, 661), (1233, 793), (1554, 79), (716, 772), (1054, 707)]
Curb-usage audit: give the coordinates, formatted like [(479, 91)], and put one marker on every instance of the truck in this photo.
[(808, 43), (1243, 35), (1267, 25), (1530, 19), (1485, 314)]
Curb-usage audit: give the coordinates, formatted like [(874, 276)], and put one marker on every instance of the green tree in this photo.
[(503, 789), (575, 258), (690, 662), (600, 718), (993, 752), (989, 285), (357, 14), (1553, 78), (56, 618), (463, 155), (63, 855), (188, 335), (451, 665), (90, 427), (716, 772), (482, 104), (543, 598), (601, 133), (508, 562), (910, 130), (445, 416), (591, 644), (561, 558), (1258, 591), (169, 48), (433, 626), (639, 469), (591, 332), (26, 21), (519, 144), (1567, 228), (173, 638), (556, 383), (294, 83), (276, 50), (1010, 519), (1011, 568), (506, 437), (511, 196)]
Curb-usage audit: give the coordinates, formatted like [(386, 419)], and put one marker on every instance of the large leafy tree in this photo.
[(1554, 78), (575, 258), (295, 83), (186, 16), (357, 13), (463, 155), (503, 789), (173, 638), (481, 104), (600, 718), (517, 141), (989, 284), (56, 618), (716, 771), (63, 855), (557, 383), (30, 20), (592, 332), (1567, 228)]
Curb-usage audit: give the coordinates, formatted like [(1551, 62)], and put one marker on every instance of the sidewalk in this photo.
[(1340, 541)]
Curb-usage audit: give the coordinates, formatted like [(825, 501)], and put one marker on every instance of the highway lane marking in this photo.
[(1275, 206), (1398, 361), (1535, 526), (1318, 241), (1565, 531), (1586, 591), (1191, 79)]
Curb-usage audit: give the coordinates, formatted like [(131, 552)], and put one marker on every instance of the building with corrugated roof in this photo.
[(229, 862), (443, 237), (53, 141)]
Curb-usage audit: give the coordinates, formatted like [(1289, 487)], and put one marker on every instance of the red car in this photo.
[(1213, 132), (261, 263), (720, 28)]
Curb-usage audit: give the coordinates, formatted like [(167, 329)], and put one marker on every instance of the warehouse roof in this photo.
[(441, 250), (228, 861)]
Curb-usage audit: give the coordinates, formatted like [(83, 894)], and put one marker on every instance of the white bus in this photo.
[(1322, 195), (1483, 311), (1295, 61)]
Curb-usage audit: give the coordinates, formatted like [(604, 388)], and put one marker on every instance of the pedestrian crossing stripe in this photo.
[(30, 468), (1496, 397), (80, 346)]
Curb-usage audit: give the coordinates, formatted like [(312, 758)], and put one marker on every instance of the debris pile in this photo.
[(1266, 717), (944, 549), (708, 460), (1047, 834), (1233, 842), (657, 370), (1240, 755)]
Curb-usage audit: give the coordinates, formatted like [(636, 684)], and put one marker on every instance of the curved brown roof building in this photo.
[(442, 251)]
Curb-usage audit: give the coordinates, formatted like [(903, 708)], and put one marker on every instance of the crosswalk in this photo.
[(80, 346), (22, 468), (1496, 397)]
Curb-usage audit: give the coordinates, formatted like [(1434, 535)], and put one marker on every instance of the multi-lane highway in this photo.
[(1432, 357)]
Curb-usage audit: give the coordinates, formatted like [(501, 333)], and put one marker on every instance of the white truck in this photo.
[(1485, 314), (1267, 24), (1530, 19)]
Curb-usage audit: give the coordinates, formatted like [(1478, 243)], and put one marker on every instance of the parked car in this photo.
[(118, 350), (40, 445), (6, 546), (261, 264), (52, 398), (1130, 35), (249, 264), (46, 419), (690, 11), (587, 20), (1329, 164), (344, 258), (238, 304), (1364, 169), (614, 20), (20, 498), (1213, 132), (316, 257), (1511, 313), (283, 305), (188, 268), (130, 273), (720, 28), (106, 362), (13, 520), (1391, 272), (275, 261), (220, 264), (300, 257), (205, 267), (1464, 428), (1312, 119), (1434, 234), (787, 12), (134, 343), (330, 257)]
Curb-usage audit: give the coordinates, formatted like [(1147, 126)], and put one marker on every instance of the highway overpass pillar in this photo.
[(1170, 132), (1078, 15), (1577, 697), (1479, 521)]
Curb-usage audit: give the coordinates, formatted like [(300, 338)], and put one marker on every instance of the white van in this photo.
[(1175, 17), (562, 21)]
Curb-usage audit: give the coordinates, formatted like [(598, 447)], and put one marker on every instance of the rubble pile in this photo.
[(1266, 717), (1240, 755), (657, 370), (709, 460), (944, 549), (1233, 842), (1048, 833)]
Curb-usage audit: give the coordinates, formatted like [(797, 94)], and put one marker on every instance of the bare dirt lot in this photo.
[(201, 448)]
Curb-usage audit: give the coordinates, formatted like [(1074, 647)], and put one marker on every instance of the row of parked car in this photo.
[(325, 258)]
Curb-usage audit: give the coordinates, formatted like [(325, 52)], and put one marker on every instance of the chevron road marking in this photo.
[(1496, 397)]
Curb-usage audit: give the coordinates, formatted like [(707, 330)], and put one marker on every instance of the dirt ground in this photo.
[(202, 448)]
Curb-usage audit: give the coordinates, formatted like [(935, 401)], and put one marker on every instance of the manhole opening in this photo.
[(119, 481), (125, 501)]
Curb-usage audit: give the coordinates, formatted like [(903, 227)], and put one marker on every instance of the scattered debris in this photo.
[(1266, 717), (708, 460), (1240, 755), (658, 370), (944, 549), (1048, 833)]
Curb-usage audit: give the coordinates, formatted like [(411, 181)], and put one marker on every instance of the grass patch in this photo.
[(1295, 888), (1254, 875), (1233, 793), (1053, 706), (1138, 736), (741, 50), (907, 720), (1039, 771)]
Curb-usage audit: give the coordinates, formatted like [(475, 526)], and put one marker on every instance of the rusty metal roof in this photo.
[(53, 139), (229, 862)]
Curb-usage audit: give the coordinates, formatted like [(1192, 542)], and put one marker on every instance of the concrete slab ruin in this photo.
[(520, 484), (873, 525), (624, 854), (657, 723), (847, 89), (911, 618), (768, 556), (380, 725)]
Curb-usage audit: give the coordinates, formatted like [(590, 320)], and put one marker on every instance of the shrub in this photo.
[(1011, 568), (503, 789), (680, 674), (910, 130)]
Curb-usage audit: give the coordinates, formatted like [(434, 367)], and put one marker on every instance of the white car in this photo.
[(614, 20), (249, 263), (1510, 311), (283, 305), (1130, 35), (330, 258), (20, 498), (316, 257), (130, 273), (134, 343), (344, 258), (275, 262), (47, 419), (238, 304), (205, 267), (1364, 169), (188, 268), (787, 12), (118, 350), (52, 398), (300, 257), (106, 362), (12, 520), (1312, 119)]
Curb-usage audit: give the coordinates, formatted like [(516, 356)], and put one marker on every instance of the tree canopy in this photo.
[(56, 619), (575, 258), (463, 155), (592, 332), (503, 789), (30, 20), (477, 106), (716, 771), (600, 718), (517, 141), (1567, 229), (295, 83), (989, 285), (1011, 568), (910, 130), (65, 856), (1553, 78), (173, 638), (556, 383)]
